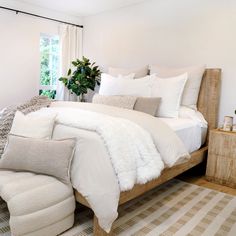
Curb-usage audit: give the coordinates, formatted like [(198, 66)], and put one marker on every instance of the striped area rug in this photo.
[(173, 209)]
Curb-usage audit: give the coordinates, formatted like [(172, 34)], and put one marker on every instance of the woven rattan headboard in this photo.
[(209, 97)]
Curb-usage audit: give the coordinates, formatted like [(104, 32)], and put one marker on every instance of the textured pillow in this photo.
[(42, 156), (126, 102), (192, 87), (113, 86), (147, 105), (139, 72), (170, 90), (33, 126)]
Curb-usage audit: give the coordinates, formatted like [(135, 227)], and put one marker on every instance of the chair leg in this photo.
[(98, 231)]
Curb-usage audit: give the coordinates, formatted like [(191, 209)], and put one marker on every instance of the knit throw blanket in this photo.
[(7, 116)]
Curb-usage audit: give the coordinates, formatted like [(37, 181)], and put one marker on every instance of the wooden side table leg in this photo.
[(98, 231)]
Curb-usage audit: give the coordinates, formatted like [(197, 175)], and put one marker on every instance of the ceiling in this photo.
[(81, 7)]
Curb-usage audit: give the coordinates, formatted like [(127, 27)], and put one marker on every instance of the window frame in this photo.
[(51, 86)]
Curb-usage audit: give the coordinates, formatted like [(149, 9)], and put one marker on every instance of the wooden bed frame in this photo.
[(208, 104)]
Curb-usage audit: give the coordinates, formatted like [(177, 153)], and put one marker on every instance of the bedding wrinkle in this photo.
[(116, 148)]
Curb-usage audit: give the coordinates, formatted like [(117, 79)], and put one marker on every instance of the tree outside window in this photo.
[(49, 64)]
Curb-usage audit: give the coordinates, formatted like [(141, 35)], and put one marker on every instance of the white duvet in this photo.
[(116, 149)]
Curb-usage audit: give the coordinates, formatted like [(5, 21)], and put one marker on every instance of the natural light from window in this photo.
[(50, 64)]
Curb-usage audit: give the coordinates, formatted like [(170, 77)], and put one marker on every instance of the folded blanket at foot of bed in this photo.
[(38, 205)]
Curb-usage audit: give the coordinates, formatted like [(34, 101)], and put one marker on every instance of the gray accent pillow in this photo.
[(147, 105), (41, 156), (126, 102)]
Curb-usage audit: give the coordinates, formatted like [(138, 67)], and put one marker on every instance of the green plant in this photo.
[(48, 93), (85, 76)]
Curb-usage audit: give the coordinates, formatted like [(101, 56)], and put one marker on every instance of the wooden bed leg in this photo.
[(98, 231)]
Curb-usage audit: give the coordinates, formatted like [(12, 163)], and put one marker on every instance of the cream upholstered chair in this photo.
[(38, 204)]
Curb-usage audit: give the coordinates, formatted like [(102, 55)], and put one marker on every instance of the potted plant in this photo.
[(84, 76)]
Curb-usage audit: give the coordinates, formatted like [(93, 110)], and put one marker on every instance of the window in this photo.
[(49, 64)]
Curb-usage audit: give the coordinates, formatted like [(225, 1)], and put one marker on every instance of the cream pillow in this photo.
[(126, 102), (113, 86), (42, 156), (170, 91), (193, 84), (34, 126), (142, 104), (139, 72)]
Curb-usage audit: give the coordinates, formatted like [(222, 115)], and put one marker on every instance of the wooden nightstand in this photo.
[(221, 162)]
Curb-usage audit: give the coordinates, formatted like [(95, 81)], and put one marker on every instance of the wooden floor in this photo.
[(201, 181)]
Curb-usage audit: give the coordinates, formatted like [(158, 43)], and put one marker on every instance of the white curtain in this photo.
[(71, 49)]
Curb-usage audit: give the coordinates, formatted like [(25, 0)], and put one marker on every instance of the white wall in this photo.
[(169, 32), (19, 52)]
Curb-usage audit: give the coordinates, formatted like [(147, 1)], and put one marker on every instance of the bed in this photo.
[(208, 104)]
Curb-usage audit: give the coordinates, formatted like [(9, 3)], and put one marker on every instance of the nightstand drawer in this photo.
[(222, 143), (221, 162), (223, 169)]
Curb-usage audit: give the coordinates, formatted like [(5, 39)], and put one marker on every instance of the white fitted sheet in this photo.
[(192, 133)]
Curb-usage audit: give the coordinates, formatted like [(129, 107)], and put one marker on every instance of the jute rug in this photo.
[(175, 208)]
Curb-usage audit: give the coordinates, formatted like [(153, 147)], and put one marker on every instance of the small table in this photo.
[(221, 162)]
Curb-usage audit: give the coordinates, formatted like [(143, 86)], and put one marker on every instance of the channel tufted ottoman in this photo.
[(38, 204)]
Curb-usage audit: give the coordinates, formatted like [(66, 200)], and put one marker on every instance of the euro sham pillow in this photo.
[(193, 84), (139, 72), (113, 86), (147, 105), (170, 91), (34, 126), (42, 156)]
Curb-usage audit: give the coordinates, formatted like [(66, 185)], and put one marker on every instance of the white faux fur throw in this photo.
[(133, 154)]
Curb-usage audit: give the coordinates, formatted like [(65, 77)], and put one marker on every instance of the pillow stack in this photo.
[(173, 88), (30, 148)]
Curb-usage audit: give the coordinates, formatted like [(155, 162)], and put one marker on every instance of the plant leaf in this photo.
[(69, 72)]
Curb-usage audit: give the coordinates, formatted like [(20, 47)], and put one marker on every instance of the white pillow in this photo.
[(113, 86), (33, 126), (188, 113), (170, 90), (139, 72), (192, 87)]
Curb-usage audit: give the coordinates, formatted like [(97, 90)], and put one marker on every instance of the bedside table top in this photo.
[(222, 132)]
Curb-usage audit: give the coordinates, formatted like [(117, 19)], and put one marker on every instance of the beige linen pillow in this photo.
[(147, 105), (42, 156), (139, 72), (32, 125), (193, 84), (142, 104), (126, 102)]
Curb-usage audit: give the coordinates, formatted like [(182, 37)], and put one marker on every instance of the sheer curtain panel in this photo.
[(71, 49)]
